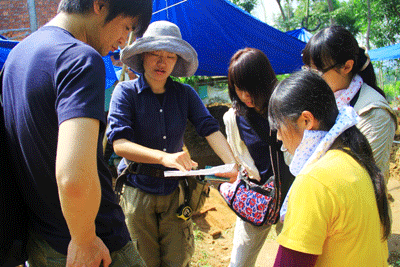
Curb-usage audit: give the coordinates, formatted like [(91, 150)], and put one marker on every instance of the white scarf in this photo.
[(316, 143), (344, 96)]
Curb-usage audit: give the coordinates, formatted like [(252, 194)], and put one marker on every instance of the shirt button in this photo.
[(160, 110), (164, 137), (164, 149)]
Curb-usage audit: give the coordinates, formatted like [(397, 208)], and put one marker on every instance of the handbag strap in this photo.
[(274, 148), (271, 140)]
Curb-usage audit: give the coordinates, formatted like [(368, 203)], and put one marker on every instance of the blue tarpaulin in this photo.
[(301, 34), (384, 53), (218, 28), (5, 48)]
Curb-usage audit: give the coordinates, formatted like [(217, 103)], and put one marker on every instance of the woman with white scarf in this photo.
[(337, 210), (336, 55)]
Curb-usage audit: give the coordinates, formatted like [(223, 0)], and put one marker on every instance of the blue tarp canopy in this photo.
[(5, 48), (217, 29), (384, 53), (301, 34)]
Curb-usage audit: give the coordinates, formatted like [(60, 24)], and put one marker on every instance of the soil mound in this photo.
[(200, 151)]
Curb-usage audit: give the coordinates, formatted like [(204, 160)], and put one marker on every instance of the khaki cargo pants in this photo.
[(161, 237), (41, 254)]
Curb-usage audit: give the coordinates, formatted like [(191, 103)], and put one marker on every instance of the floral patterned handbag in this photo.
[(253, 203)]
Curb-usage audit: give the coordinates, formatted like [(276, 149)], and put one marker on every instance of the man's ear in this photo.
[(348, 66), (309, 121), (99, 6)]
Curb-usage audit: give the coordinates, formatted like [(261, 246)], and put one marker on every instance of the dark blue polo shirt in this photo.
[(51, 77), (137, 115)]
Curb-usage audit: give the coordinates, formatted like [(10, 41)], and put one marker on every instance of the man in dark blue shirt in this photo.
[(147, 119), (53, 97)]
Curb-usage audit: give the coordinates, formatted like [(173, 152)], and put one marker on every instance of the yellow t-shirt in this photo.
[(332, 212)]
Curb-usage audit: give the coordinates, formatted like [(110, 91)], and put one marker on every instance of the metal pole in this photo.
[(32, 15), (124, 67), (120, 79), (168, 7)]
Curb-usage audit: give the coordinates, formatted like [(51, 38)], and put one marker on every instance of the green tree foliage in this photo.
[(384, 30), (193, 80), (351, 14), (385, 20), (314, 15), (344, 16), (247, 5)]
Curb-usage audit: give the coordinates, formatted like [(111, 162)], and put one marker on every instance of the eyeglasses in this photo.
[(320, 72), (329, 68)]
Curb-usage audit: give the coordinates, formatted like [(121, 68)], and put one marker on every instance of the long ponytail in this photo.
[(361, 151)]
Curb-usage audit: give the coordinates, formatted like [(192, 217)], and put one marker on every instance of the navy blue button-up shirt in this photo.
[(136, 114)]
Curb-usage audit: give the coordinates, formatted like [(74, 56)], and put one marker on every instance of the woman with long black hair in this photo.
[(347, 68)]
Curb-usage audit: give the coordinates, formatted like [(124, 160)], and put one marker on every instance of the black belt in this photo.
[(138, 168), (145, 169)]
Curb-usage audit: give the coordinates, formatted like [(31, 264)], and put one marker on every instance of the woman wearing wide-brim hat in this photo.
[(147, 121)]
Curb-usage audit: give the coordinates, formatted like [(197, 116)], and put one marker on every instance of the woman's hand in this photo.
[(232, 175), (179, 160)]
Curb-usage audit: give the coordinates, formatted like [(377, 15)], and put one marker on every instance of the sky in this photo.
[(264, 11)]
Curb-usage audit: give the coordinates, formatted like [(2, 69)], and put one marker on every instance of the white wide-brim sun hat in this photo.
[(166, 36)]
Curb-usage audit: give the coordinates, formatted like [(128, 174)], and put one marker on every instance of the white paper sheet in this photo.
[(211, 171)]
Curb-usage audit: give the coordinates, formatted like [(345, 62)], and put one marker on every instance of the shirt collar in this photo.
[(143, 85)]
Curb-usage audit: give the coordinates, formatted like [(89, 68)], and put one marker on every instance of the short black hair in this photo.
[(130, 8)]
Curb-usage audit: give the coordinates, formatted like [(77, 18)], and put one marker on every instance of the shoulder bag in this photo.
[(254, 203)]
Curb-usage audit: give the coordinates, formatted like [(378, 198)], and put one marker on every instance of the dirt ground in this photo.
[(214, 227)]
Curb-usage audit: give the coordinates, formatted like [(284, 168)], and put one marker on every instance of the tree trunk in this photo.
[(369, 22), (330, 9), (281, 9)]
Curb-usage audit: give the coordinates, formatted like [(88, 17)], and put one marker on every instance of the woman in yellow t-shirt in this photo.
[(337, 210)]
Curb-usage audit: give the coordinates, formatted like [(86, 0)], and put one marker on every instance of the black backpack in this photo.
[(13, 210)]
